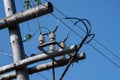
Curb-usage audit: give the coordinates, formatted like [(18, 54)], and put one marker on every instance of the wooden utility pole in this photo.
[(20, 63), (16, 41)]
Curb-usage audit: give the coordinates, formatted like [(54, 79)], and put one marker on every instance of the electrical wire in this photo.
[(93, 39), (89, 44), (3, 52), (107, 49), (105, 56), (79, 46), (75, 32), (100, 43), (42, 76), (66, 25), (37, 18)]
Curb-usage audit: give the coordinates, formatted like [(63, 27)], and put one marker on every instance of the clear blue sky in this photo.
[(104, 16)]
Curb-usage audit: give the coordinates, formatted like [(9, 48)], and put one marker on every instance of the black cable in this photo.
[(66, 25), (89, 44), (93, 39), (101, 44), (66, 37), (53, 69), (88, 27), (80, 20), (79, 46), (70, 62)]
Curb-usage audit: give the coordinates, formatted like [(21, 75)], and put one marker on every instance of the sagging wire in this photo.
[(88, 34), (89, 43), (110, 51), (100, 45), (88, 29), (92, 35), (83, 21)]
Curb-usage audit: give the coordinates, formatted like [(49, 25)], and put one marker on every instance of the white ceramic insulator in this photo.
[(52, 36), (62, 44), (52, 48), (41, 39)]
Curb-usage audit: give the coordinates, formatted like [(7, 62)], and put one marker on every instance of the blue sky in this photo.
[(104, 16)]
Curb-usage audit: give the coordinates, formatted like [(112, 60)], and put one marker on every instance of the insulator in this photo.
[(52, 36), (41, 39), (62, 44), (52, 47)]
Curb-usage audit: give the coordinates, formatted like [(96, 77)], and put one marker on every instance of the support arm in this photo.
[(26, 15), (43, 67)]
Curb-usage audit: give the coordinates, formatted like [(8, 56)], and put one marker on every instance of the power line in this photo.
[(107, 49), (81, 37), (105, 56), (3, 52), (42, 76), (89, 43), (93, 39), (80, 45)]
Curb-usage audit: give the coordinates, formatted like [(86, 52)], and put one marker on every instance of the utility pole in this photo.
[(21, 72), (16, 41)]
